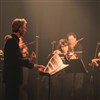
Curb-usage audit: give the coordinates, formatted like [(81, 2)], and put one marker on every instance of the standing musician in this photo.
[(25, 53), (75, 48), (75, 52)]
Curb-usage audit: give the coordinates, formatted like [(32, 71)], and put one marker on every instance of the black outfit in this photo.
[(78, 47), (95, 89), (12, 73), (78, 77)]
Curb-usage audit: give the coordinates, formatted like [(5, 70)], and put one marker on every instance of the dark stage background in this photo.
[(51, 20)]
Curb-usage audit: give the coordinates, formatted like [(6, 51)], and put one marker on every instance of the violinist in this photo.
[(62, 47), (75, 48), (75, 52), (96, 77), (62, 50)]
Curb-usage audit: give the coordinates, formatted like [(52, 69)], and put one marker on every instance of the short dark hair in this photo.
[(71, 33), (17, 23)]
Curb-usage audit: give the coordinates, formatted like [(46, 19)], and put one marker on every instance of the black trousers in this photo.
[(11, 91)]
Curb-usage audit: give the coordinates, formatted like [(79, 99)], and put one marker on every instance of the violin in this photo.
[(95, 61), (23, 48), (72, 53), (32, 56)]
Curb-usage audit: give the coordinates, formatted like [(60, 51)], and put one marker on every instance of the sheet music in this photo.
[(54, 65)]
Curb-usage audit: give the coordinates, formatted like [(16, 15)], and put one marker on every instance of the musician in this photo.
[(62, 47), (62, 50), (75, 47), (96, 77), (75, 52), (13, 60), (57, 79)]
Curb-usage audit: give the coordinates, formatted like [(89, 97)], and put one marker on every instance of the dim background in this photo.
[(51, 20)]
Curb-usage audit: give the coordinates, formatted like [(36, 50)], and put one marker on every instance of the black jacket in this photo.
[(13, 61), (78, 47)]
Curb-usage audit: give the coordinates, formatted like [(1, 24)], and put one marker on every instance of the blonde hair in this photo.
[(17, 23)]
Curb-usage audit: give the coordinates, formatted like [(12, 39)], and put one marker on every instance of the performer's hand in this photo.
[(94, 62), (56, 52), (32, 56), (39, 67)]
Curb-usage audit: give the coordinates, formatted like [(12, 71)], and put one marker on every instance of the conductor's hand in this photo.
[(39, 67)]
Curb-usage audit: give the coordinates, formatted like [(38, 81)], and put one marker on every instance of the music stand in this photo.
[(49, 82), (75, 66), (54, 65)]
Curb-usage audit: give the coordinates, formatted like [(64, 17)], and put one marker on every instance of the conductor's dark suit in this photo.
[(13, 62)]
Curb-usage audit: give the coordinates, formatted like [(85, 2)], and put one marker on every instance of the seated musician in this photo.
[(62, 49), (75, 48)]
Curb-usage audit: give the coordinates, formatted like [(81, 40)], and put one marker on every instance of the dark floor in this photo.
[(61, 86)]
